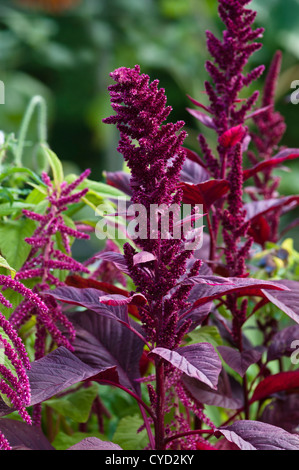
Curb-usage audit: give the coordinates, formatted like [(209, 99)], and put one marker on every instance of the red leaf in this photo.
[(197, 103), (143, 257), (199, 361), (232, 136), (82, 283), (260, 230), (205, 193), (205, 446), (276, 383), (271, 163), (116, 299), (240, 287), (144, 363), (119, 180), (254, 435), (194, 157), (202, 117), (255, 209)]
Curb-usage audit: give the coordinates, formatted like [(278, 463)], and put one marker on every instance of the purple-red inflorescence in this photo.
[(14, 361), (230, 56), (44, 262), (155, 157)]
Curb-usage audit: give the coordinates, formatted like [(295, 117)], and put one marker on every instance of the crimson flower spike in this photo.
[(44, 259), (14, 363), (226, 69), (270, 128), (153, 152)]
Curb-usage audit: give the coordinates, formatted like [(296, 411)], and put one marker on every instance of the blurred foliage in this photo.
[(67, 56)]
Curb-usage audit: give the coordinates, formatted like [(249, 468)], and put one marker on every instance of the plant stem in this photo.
[(39, 103), (160, 390), (139, 400), (246, 401), (148, 427), (189, 433), (212, 238)]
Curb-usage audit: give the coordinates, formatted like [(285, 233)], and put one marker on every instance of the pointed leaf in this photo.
[(283, 411), (270, 163), (206, 193), (56, 372), (287, 301), (232, 136), (55, 165), (21, 435), (93, 443), (119, 180), (276, 383), (241, 287), (239, 361), (90, 299), (116, 258), (194, 173), (102, 342), (81, 283), (197, 103), (255, 209), (228, 395), (143, 257), (199, 361), (202, 117), (254, 435), (4, 264), (116, 299), (281, 343), (127, 433)]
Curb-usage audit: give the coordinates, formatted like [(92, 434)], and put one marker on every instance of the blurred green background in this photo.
[(67, 57)]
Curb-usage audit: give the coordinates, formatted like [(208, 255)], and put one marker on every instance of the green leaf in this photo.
[(9, 209), (36, 196), (126, 435), (206, 334), (55, 165), (102, 190), (12, 240), (63, 441), (76, 405), (4, 264), (27, 171)]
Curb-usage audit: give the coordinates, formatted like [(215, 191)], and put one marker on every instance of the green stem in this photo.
[(37, 102)]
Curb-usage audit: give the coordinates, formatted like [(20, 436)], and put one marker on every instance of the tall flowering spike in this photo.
[(14, 381), (44, 262), (14, 361), (152, 151), (154, 154), (233, 219), (270, 128), (226, 69), (270, 124)]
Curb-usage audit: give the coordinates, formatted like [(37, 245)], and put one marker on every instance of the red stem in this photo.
[(188, 433), (160, 390), (139, 400)]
